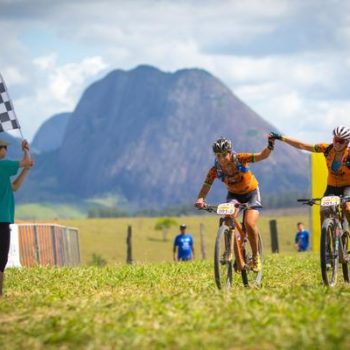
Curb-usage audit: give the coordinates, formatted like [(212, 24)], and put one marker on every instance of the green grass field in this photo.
[(173, 306)]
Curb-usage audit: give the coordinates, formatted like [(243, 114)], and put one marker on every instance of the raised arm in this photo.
[(293, 142), (265, 153), (26, 161)]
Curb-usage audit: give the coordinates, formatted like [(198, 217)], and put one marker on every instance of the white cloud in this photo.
[(45, 62), (57, 89)]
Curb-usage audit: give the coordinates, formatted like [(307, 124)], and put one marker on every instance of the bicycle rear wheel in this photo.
[(248, 255), (222, 267), (329, 252)]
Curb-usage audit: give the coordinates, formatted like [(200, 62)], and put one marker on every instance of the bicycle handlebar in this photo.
[(309, 201), (213, 208), (312, 201)]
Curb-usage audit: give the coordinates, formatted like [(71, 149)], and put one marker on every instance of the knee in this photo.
[(347, 207), (250, 225)]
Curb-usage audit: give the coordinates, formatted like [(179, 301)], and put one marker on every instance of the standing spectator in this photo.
[(183, 243), (9, 168), (301, 238)]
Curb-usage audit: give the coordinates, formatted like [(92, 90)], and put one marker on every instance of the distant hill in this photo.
[(50, 135), (146, 135)]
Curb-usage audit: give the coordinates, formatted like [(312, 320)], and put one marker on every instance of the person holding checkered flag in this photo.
[(8, 168)]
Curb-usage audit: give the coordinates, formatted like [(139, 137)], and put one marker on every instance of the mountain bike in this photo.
[(231, 240), (334, 237)]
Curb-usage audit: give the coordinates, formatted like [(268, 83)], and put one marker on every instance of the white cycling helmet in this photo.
[(343, 132)]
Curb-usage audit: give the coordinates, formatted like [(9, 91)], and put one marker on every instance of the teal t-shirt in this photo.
[(8, 168)]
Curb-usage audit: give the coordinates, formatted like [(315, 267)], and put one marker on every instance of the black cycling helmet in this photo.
[(222, 145)]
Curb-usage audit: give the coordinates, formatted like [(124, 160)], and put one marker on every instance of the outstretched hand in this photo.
[(275, 135), (25, 145), (271, 143)]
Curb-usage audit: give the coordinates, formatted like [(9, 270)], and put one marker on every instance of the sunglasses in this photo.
[(3, 147), (340, 141), (223, 154)]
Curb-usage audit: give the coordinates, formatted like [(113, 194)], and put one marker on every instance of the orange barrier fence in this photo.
[(48, 245)]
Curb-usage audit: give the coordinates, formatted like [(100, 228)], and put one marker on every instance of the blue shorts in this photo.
[(337, 191)]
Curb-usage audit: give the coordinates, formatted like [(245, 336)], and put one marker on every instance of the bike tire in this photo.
[(345, 267), (246, 275), (222, 271), (329, 252)]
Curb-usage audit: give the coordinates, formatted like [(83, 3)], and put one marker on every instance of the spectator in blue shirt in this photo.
[(301, 238), (183, 245)]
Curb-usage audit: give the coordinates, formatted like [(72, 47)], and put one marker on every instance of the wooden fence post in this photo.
[(36, 245), (274, 236), (53, 239), (129, 246), (203, 248)]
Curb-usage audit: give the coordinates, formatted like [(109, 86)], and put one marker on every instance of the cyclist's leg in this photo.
[(251, 217), (346, 207)]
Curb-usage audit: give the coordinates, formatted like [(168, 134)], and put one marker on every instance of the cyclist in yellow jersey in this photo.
[(337, 157), (232, 169)]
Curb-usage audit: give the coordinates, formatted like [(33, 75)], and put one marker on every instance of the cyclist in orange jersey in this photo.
[(337, 157), (232, 169)]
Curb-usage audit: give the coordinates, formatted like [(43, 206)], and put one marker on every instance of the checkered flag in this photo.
[(8, 119)]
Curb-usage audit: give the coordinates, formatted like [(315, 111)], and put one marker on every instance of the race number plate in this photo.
[(330, 201), (226, 209)]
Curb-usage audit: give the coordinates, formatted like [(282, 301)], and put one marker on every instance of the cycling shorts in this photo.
[(337, 191), (252, 198)]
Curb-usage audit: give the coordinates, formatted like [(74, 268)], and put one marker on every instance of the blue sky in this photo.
[(288, 60)]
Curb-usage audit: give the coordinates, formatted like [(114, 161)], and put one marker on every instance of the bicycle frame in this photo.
[(237, 232), (335, 213), (238, 236)]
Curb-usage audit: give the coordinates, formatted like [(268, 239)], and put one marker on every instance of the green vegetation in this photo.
[(48, 211), (173, 306), (97, 260), (164, 225)]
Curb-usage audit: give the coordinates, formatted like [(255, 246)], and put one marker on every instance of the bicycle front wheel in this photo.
[(329, 252), (223, 258), (345, 243)]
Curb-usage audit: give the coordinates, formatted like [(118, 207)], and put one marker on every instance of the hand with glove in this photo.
[(271, 143), (275, 135)]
